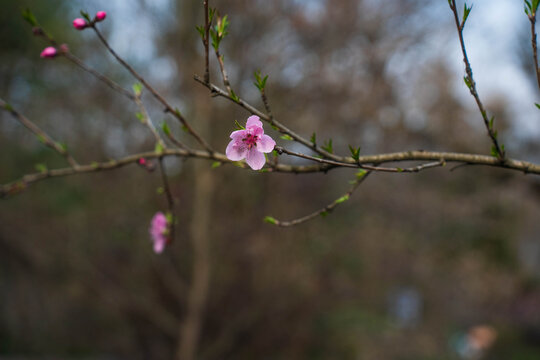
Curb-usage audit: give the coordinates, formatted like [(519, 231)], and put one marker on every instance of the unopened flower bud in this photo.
[(49, 52), (79, 24), (101, 15), (64, 48)]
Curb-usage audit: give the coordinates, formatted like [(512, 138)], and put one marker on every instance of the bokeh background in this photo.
[(437, 265)]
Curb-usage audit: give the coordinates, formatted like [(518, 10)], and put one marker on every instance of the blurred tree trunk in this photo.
[(200, 235)]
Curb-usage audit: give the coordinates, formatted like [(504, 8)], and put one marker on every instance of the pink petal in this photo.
[(159, 244), (253, 121), (255, 159), (266, 144), (238, 134), (236, 150)]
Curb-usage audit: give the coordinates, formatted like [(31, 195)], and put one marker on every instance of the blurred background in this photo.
[(437, 265)]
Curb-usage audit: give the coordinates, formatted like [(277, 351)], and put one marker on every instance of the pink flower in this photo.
[(101, 15), (49, 52), (79, 23), (250, 144), (159, 230)]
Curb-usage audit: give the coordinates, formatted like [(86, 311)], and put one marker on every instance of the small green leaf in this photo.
[(42, 168), (313, 139), (137, 88), (360, 174), (41, 139), (275, 153), (159, 148), (355, 152), (491, 122), (286, 137), (274, 127), (201, 30), (216, 164), (238, 126), (141, 117), (29, 17), (185, 128), (165, 128), (234, 97), (160, 190), (328, 146), (270, 220), (537, 105), (169, 217), (62, 146), (9, 108), (342, 199), (324, 214), (399, 169), (94, 164), (494, 152), (85, 15)]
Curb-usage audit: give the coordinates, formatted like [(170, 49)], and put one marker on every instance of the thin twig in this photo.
[(148, 121), (417, 155), (325, 210), (206, 40), (418, 168), (282, 128), (532, 19), (41, 135), (160, 98), (110, 83), (471, 84), (224, 75)]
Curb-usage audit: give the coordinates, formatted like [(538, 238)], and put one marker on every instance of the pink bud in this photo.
[(142, 161), (48, 52), (79, 24), (64, 48), (101, 15)]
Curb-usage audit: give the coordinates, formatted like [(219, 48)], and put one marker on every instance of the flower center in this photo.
[(250, 140)]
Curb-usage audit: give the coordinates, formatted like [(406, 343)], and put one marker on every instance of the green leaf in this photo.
[(234, 97), (399, 169), (286, 137), (360, 174), (159, 148), (324, 214), (62, 146), (274, 127), (216, 164), (41, 139), (355, 152), (169, 216), (537, 105), (94, 164), (42, 168), (466, 12), (491, 122), (342, 199), (137, 88), (9, 108), (29, 17), (211, 13), (185, 128), (313, 139), (160, 190), (238, 126), (141, 117), (177, 112), (494, 152), (201, 30), (165, 128), (270, 220), (328, 146), (85, 15)]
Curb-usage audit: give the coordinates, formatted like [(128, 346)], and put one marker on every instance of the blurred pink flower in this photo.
[(49, 52), (250, 144), (159, 229), (79, 23), (101, 15)]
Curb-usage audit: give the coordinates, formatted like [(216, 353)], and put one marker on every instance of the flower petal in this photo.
[(265, 144), (236, 150), (238, 134), (253, 120), (159, 244), (255, 159)]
